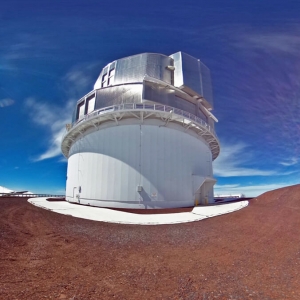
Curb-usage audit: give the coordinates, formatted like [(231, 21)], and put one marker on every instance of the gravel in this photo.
[(253, 253)]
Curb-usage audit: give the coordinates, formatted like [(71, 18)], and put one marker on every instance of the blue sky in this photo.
[(51, 53)]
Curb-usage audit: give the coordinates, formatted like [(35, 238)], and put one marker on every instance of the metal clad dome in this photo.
[(144, 137)]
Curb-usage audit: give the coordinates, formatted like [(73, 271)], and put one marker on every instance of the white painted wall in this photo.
[(109, 164)]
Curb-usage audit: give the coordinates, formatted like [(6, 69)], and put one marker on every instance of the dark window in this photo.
[(111, 76), (90, 104), (104, 80), (80, 111)]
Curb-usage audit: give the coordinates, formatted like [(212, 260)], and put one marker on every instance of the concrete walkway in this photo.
[(114, 216)]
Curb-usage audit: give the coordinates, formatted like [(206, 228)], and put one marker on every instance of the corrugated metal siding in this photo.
[(206, 83), (133, 68), (153, 92), (115, 95), (192, 75)]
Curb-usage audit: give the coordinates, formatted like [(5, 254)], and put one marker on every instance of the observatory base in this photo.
[(140, 166)]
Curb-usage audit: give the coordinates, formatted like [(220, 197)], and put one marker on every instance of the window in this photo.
[(80, 110), (90, 104), (111, 76), (104, 80)]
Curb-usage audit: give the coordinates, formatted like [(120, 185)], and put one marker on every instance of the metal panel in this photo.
[(191, 73), (192, 76), (157, 67), (132, 69), (206, 83), (159, 94), (178, 75), (130, 93)]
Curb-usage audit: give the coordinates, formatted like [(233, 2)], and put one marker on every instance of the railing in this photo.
[(139, 106), (12, 195)]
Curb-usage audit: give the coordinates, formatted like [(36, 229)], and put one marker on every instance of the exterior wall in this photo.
[(153, 92), (192, 76), (132, 69), (106, 167), (153, 159), (128, 84), (130, 93)]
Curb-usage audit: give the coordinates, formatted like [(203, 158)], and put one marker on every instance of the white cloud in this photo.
[(24, 45), (82, 77), (54, 118), (78, 78), (249, 190), (226, 186), (289, 162), (277, 40), (232, 161), (6, 102)]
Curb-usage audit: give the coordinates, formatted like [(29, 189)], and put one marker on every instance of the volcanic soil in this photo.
[(253, 253)]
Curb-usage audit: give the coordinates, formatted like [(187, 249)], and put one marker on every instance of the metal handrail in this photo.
[(28, 195), (141, 106)]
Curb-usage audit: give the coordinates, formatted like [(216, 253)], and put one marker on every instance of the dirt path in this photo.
[(250, 254)]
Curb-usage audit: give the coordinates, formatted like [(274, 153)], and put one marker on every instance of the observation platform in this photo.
[(142, 112), (114, 216)]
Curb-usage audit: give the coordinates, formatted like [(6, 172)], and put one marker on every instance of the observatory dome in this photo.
[(144, 136)]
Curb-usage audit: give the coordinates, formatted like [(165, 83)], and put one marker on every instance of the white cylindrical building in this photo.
[(144, 137)]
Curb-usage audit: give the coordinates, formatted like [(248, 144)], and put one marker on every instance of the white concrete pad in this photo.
[(216, 210), (115, 216)]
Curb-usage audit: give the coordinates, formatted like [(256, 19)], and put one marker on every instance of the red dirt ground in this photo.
[(253, 253)]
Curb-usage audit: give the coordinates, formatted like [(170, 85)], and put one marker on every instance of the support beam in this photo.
[(116, 120), (142, 117)]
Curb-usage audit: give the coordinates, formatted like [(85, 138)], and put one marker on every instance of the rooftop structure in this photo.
[(144, 136)]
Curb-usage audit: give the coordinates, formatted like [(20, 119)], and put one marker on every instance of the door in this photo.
[(201, 193)]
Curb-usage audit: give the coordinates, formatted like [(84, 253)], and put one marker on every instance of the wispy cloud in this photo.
[(226, 186), (290, 162), (27, 45), (81, 78), (233, 160), (53, 118), (249, 190), (78, 78), (284, 42), (6, 102)]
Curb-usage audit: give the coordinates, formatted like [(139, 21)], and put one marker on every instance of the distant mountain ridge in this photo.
[(5, 190)]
